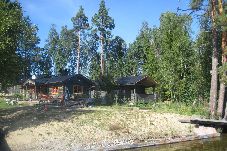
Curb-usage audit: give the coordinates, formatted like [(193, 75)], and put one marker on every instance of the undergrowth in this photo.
[(200, 109)]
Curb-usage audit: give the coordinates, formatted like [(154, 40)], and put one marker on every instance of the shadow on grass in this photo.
[(29, 116)]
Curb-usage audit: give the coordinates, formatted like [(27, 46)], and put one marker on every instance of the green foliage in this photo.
[(103, 25), (196, 108), (4, 105), (28, 50), (106, 83), (222, 73), (116, 57), (10, 29), (18, 95), (204, 47), (81, 29), (196, 4), (168, 54), (66, 39), (95, 69), (42, 65), (80, 21), (102, 20), (170, 58), (58, 47), (97, 97)]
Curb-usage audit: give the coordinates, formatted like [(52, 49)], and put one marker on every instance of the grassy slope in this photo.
[(87, 127), (32, 129)]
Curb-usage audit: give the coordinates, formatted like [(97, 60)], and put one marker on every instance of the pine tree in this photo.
[(115, 57), (28, 49), (52, 45), (104, 24), (65, 46), (222, 22), (199, 5), (80, 24)]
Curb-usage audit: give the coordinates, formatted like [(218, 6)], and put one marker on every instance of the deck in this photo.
[(207, 122)]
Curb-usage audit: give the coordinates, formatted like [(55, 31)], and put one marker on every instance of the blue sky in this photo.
[(128, 14)]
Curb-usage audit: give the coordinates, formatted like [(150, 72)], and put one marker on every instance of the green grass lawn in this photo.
[(4, 105)]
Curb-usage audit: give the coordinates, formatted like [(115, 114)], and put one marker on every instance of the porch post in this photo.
[(35, 93), (23, 93), (64, 93), (135, 98), (26, 89)]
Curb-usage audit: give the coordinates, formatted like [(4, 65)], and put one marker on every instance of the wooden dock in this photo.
[(206, 122)]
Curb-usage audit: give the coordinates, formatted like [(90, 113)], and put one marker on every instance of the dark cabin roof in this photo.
[(80, 79), (58, 79), (142, 80), (41, 81), (61, 80)]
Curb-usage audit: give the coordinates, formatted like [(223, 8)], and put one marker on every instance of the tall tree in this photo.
[(28, 47), (203, 45), (41, 63), (94, 68), (199, 5), (176, 57), (116, 57), (139, 50), (131, 60), (55, 49), (66, 38), (214, 74), (80, 24), (222, 21), (104, 24), (10, 29)]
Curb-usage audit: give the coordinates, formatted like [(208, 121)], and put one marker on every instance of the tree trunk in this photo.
[(102, 55), (221, 100), (78, 54), (222, 85), (214, 77)]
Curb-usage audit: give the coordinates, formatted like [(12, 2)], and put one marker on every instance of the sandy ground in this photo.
[(88, 128)]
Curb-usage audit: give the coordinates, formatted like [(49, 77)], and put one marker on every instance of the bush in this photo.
[(18, 95), (199, 108), (97, 97)]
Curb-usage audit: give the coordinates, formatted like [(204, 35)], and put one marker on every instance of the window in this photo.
[(54, 90), (77, 89)]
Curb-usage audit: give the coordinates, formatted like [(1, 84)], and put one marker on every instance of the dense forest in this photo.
[(186, 69)]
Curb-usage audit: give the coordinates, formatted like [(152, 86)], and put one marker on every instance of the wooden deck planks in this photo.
[(206, 122)]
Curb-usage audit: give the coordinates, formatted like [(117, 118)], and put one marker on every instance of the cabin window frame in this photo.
[(79, 89), (55, 90)]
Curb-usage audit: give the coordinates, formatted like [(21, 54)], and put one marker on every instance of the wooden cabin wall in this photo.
[(140, 90)]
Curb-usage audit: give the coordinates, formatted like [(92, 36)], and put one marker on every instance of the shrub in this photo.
[(97, 97), (199, 108), (18, 95)]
